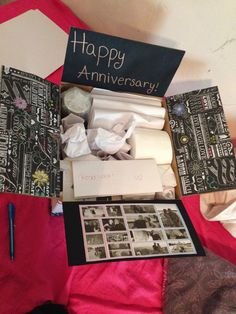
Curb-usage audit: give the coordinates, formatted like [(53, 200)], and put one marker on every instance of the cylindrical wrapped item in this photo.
[(123, 105), (154, 144), (76, 101), (118, 121), (127, 97)]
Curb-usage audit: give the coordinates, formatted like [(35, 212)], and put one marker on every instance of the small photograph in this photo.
[(181, 247), (174, 234), (150, 248), (120, 253), (170, 218), (117, 237), (143, 221), (92, 225), (96, 252), (118, 246), (139, 209), (146, 235), (113, 210), (94, 239), (113, 224), (93, 211)]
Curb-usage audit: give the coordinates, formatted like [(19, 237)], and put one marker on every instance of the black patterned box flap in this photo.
[(29, 134), (203, 149), (119, 64)]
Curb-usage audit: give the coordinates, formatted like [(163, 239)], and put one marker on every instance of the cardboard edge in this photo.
[(178, 191)]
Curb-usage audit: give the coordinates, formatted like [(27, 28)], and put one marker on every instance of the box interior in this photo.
[(65, 86)]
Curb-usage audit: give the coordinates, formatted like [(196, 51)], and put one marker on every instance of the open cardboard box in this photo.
[(201, 105), (178, 191), (149, 63)]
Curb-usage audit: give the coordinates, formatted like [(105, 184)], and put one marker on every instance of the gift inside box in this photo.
[(137, 195), (203, 158), (222, 159)]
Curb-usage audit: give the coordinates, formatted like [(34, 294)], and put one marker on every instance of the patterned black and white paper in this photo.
[(204, 152), (29, 134)]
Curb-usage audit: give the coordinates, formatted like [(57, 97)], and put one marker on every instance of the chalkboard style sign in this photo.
[(29, 134), (99, 232), (118, 64), (204, 152)]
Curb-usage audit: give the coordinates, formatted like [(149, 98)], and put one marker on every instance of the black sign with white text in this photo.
[(118, 64)]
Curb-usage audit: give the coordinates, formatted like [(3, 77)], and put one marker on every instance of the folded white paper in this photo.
[(131, 105), (119, 177), (146, 100), (31, 42), (147, 143)]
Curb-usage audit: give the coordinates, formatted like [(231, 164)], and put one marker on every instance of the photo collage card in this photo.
[(133, 230)]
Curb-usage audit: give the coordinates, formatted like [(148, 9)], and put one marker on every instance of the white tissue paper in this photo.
[(109, 142), (117, 121), (70, 120), (76, 141), (167, 176)]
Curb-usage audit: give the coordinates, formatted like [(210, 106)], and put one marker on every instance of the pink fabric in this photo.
[(40, 270), (118, 288)]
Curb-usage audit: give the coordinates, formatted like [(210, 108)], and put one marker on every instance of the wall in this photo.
[(205, 29)]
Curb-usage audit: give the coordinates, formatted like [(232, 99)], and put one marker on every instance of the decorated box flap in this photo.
[(203, 148), (114, 63), (29, 134)]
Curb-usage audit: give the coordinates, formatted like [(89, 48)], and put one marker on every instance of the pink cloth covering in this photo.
[(40, 270)]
